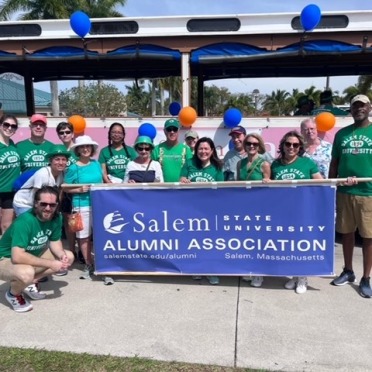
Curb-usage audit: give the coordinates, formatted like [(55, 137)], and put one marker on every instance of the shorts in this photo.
[(6, 200), (86, 214), (66, 203), (354, 212), (9, 271)]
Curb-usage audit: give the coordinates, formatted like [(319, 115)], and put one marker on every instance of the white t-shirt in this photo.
[(154, 166), (24, 197)]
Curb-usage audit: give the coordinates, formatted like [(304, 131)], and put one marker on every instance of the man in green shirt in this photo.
[(326, 105), (34, 150), (170, 154), (352, 158), (31, 248)]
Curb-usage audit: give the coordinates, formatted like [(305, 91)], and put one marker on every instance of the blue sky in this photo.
[(138, 8)]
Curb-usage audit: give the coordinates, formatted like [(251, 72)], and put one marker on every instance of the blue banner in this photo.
[(276, 231)]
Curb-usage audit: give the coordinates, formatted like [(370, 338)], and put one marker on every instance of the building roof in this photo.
[(13, 97)]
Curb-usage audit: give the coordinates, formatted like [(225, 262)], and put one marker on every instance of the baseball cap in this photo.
[(239, 130), (360, 98), (172, 123), (192, 134), (38, 117)]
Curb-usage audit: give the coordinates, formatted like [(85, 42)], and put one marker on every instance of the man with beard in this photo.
[(31, 248), (352, 158)]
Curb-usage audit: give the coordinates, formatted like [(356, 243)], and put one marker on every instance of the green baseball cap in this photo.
[(172, 123)]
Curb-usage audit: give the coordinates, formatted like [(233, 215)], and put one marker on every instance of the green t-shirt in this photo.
[(171, 159), (10, 166), (352, 147), (116, 164), (207, 174), (31, 234), (34, 155), (301, 169), (253, 173)]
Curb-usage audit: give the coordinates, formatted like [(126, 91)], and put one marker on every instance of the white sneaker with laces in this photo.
[(291, 284), (19, 303), (33, 291), (301, 285), (257, 281)]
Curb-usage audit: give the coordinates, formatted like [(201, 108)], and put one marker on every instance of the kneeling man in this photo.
[(31, 248)]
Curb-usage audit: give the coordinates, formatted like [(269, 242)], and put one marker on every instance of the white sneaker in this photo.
[(33, 291), (291, 284), (107, 280), (257, 281), (301, 285), (19, 303)]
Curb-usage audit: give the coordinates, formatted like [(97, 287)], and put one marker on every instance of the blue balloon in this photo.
[(80, 23), (232, 117), (174, 108), (310, 17), (147, 129)]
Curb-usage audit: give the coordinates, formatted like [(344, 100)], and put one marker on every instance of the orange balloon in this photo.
[(78, 122), (325, 121), (187, 116)]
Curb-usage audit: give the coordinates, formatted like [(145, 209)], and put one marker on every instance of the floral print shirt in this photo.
[(322, 157)]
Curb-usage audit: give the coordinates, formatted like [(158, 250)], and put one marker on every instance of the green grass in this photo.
[(30, 360)]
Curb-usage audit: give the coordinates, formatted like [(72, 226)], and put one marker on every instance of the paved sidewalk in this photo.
[(175, 318)]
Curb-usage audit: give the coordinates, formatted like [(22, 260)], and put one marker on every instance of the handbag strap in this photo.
[(146, 171), (256, 163)]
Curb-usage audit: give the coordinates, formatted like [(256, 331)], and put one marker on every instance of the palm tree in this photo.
[(277, 103), (57, 9)]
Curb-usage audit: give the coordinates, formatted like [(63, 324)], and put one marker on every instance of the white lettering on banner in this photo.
[(249, 244), (273, 228), (267, 257), (165, 224), (141, 245)]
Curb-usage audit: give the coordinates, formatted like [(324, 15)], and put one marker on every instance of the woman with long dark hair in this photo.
[(204, 166), (115, 157)]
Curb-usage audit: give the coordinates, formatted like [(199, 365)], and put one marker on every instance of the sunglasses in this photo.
[(254, 144), (42, 125), (8, 125), (64, 132), (51, 205), (171, 129), (295, 145), (143, 148)]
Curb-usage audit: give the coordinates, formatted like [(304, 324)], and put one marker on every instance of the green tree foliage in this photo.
[(278, 103), (94, 99), (138, 99)]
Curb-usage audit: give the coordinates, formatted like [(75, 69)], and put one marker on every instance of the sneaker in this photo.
[(107, 280), (346, 277), (365, 288), (33, 291), (61, 273), (214, 280), (291, 284), (195, 277), (301, 286), (247, 278), (19, 303), (257, 281), (87, 273)]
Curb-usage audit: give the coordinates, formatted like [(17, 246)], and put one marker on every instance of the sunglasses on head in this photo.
[(295, 145), (171, 129), (64, 132), (8, 125), (254, 144), (140, 148), (51, 205)]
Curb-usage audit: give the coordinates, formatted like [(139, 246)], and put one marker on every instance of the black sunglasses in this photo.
[(295, 145), (171, 129), (143, 148), (62, 132), (8, 125), (254, 144), (51, 205)]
